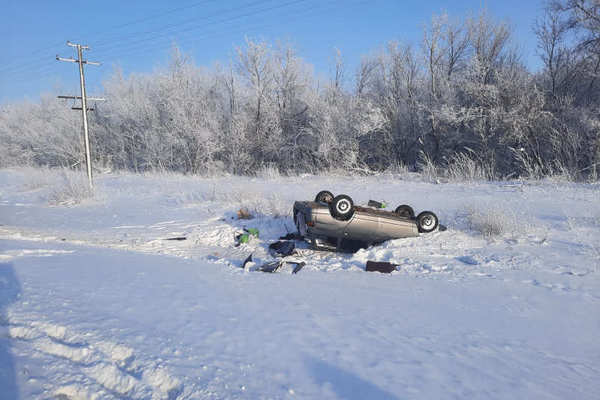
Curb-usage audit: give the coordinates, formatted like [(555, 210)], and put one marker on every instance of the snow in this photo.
[(95, 304)]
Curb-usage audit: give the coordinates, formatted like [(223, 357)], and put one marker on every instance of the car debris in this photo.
[(246, 261), (270, 267), (381, 266), (273, 265), (282, 248), (291, 236), (178, 238), (276, 265)]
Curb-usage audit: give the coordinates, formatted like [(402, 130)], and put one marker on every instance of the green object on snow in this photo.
[(376, 204), (252, 231), (245, 237)]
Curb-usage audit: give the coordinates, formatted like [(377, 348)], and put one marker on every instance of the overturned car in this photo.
[(334, 221)]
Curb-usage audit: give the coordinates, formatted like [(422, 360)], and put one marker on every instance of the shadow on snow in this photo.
[(9, 290), (346, 385)]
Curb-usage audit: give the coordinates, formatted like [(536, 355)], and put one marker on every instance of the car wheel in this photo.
[(427, 222), (324, 196), (405, 211), (342, 207)]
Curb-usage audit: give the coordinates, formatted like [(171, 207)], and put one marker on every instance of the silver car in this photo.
[(329, 221)]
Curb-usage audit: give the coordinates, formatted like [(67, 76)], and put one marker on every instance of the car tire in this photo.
[(324, 196), (341, 207), (405, 211), (427, 222)]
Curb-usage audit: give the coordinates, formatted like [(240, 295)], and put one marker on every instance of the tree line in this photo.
[(461, 101)]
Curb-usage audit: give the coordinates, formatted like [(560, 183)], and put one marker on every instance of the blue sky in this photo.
[(137, 35)]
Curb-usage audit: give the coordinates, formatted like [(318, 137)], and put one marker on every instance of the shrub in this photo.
[(72, 188), (268, 171), (462, 167), (427, 167), (272, 205), (493, 222)]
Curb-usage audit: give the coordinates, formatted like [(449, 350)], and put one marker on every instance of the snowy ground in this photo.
[(94, 303)]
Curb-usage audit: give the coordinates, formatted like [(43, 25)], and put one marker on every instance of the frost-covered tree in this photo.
[(460, 101)]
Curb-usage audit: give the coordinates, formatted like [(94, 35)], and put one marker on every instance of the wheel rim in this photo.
[(427, 222), (343, 206)]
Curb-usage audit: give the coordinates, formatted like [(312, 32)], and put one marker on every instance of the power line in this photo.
[(113, 28), (163, 44), (33, 53), (41, 60), (102, 44), (162, 14), (46, 70), (35, 65), (133, 44)]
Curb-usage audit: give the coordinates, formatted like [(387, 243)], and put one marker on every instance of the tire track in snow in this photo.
[(113, 367), (199, 244)]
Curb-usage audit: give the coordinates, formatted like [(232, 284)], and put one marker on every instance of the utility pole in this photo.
[(84, 108)]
